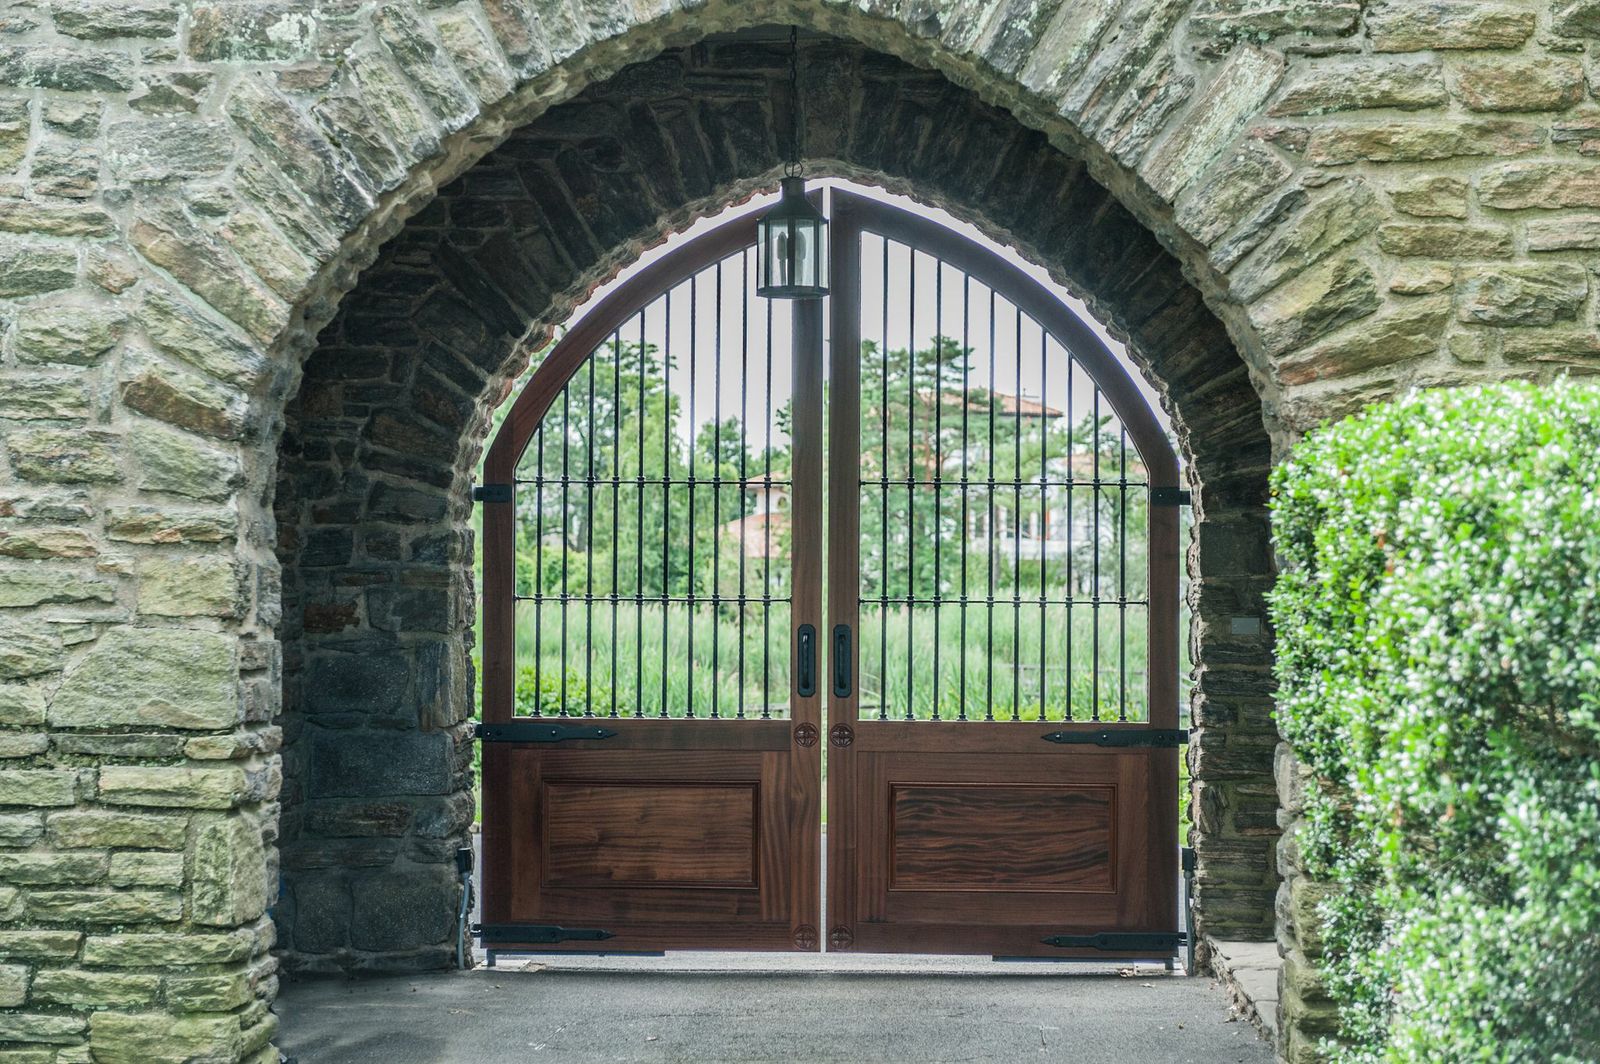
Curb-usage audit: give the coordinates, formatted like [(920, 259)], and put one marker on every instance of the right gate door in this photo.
[(1002, 583)]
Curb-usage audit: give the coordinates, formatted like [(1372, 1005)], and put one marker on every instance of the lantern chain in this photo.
[(792, 168)]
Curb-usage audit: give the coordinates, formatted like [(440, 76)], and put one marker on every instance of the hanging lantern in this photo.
[(792, 258), (793, 238)]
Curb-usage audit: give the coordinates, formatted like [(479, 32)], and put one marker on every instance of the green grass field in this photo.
[(1007, 663)]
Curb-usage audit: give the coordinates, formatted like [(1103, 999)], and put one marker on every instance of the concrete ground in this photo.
[(714, 1008)]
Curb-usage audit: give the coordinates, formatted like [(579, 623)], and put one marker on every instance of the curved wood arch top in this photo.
[(853, 212), (573, 349)]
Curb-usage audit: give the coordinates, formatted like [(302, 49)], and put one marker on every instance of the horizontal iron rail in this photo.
[(676, 600), (676, 482), (967, 600), (1120, 941), (1121, 737), (539, 933), (528, 731), (953, 483)]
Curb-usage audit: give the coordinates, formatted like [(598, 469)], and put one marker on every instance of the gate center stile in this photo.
[(952, 534)]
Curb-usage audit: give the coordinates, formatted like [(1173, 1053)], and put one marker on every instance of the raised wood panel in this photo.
[(644, 834), (1002, 837)]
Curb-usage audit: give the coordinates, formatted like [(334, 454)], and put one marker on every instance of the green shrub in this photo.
[(1438, 621)]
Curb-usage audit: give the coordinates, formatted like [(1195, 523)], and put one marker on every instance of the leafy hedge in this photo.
[(1438, 620)]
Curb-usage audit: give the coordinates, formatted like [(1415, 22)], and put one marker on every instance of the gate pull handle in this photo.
[(806, 668), (841, 661)]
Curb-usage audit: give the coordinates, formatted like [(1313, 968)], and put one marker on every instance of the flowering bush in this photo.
[(1438, 620)]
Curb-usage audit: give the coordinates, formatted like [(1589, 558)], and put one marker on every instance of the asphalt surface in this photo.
[(964, 1011)]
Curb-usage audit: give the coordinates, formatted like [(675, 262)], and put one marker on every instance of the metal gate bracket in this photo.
[(491, 493), (529, 731), (1170, 497), (1121, 941), (1125, 737), (538, 933)]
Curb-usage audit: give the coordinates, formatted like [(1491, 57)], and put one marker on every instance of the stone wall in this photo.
[(1362, 195)]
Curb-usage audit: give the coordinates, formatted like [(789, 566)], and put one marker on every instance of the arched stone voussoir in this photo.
[(337, 159)]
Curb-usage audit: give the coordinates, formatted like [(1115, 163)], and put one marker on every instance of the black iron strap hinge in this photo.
[(1170, 738), (535, 731), (541, 934), (491, 493), (1121, 941), (1170, 497)]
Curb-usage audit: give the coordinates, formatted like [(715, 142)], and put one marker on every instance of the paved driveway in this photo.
[(925, 1013)]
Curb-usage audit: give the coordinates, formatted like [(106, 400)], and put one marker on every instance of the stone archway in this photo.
[(372, 496), (1369, 197)]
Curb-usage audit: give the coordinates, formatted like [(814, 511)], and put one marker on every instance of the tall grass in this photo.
[(657, 661), (1007, 662), (999, 662)]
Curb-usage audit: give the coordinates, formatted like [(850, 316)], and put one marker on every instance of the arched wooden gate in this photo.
[(989, 508)]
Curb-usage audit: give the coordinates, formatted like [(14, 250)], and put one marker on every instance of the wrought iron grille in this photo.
[(1004, 517), (652, 571)]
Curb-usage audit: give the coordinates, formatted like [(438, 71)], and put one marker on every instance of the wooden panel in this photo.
[(642, 834), (1001, 837)]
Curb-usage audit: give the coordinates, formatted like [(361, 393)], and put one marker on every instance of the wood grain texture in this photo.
[(649, 835), (1002, 837)]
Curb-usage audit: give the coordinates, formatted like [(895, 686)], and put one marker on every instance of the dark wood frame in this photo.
[(869, 755)]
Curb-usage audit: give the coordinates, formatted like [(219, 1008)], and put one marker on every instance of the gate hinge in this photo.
[(537, 933), (1121, 941), (491, 493), (1170, 497), (1171, 738), (534, 731)]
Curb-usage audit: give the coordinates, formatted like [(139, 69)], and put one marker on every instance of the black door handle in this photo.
[(805, 673), (841, 661)]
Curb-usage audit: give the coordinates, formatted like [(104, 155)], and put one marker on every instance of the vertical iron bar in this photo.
[(1016, 533), (666, 490), (588, 553), (694, 488), (1044, 519), (766, 544), (911, 482), (966, 469), (638, 543), (883, 472), (1122, 580), (938, 466), (538, 580), (1094, 494), (744, 447), (566, 536), (1072, 489), (993, 457), (716, 495), (616, 496)]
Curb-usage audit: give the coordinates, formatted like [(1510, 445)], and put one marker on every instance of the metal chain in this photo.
[(792, 168)]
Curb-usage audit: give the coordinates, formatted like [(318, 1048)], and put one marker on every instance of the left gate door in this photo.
[(651, 598)]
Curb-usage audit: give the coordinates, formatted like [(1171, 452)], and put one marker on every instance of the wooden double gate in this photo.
[(927, 530)]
